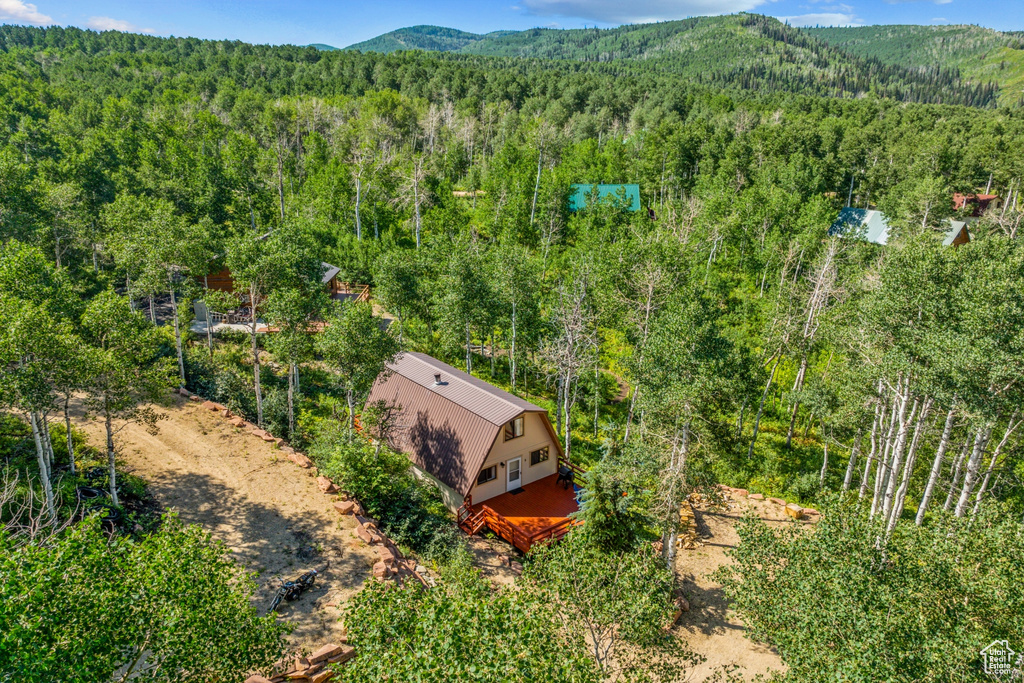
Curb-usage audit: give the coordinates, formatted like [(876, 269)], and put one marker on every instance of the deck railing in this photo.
[(472, 518), (362, 292)]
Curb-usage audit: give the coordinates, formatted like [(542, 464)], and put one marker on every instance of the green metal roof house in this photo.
[(581, 195), (863, 223)]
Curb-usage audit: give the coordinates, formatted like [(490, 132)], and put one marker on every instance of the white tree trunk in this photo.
[(359, 222), (760, 407), (67, 427), (908, 470), (973, 466), (512, 351), (177, 337), (256, 361), (880, 409), (852, 464), (897, 455), (109, 425), (44, 471), (955, 472), (933, 476), (1011, 426), (883, 460)]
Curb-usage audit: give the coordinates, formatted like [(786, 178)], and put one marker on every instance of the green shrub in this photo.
[(410, 511)]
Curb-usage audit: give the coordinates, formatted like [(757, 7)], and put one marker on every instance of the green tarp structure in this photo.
[(581, 195)]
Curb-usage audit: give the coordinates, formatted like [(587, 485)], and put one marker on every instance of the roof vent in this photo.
[(437, 379)]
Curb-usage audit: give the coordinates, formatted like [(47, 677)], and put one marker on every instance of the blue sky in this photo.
[(343, 22)]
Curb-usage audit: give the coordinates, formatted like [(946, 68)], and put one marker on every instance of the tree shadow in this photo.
[(437, 449), (276, 546)]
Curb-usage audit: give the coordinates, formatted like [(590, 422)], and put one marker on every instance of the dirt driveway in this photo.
[(265, 509), (710, 628)]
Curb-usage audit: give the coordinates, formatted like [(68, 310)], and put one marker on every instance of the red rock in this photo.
[(366, 521), (345, 507), (287, 449), (322, 677), (256, 431), (302, 461), (257, 679), (226, 413), (268, 437), (809, 511), (381, 570), (209, 405), (182, 391), (387, 554), (756, 496), (777, 501), (280, 442), (237, 421), (326, 485), (347, 653), (325, 653), (742, 493), (363, 533), (195, 398)]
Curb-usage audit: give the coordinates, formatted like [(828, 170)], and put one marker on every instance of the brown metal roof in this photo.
[(448, 428)]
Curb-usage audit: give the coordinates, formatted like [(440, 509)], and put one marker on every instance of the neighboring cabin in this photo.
[(868, 224), (221, 281), (872, 226), (975, 204), (478, 444)]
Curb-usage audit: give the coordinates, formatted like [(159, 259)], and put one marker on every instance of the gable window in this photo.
[(514, 429), (487, 475), (538, 456)]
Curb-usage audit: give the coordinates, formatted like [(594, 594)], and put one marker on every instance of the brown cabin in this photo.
[(494, 456), (975, 205), (221, 281)]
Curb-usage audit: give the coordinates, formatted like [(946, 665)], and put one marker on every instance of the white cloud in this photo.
[(940, 20), (638, 11), (823, 19), (23, 12), (111, 24)]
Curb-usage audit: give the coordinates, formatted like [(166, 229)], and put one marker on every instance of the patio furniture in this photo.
[(566, 477)]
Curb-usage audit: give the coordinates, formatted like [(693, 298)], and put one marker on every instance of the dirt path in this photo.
[(710, 628), (267, 511)]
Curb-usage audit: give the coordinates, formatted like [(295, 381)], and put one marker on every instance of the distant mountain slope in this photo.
[(427, 38), (981, 54), (322, 46), (748, 50)]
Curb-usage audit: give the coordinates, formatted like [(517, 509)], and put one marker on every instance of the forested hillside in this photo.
[(978, 53), (746, 50), (718, 336), (431, 38)]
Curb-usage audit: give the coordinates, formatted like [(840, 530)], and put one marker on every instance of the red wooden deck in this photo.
[(542, 505), (539, 513)]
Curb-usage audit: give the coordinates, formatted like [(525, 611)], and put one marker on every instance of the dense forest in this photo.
[(721, 335), (752, 51)]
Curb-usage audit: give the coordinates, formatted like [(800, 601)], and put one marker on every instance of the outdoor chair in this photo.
[(566, 477)]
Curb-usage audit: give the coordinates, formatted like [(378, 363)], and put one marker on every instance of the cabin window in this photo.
[(514, 429), (538, 456), (487, 475)]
